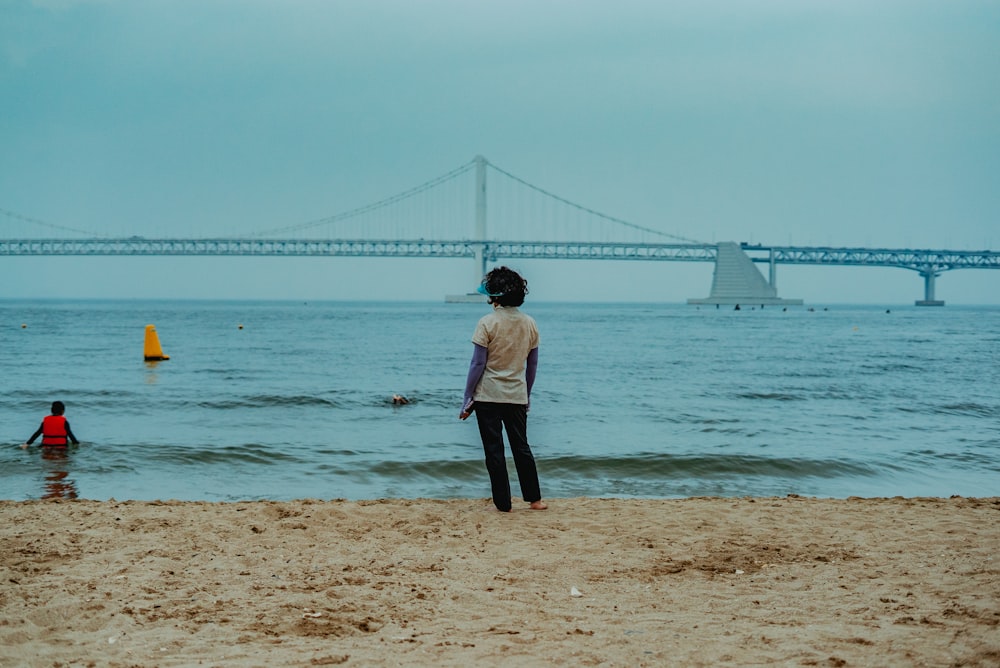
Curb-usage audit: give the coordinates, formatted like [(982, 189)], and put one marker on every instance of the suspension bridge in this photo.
[(446, 218)]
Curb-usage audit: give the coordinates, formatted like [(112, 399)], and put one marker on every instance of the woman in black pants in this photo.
[(498, 388)]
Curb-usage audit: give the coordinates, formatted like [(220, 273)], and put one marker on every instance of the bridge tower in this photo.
[(480, 229), (478, 238)]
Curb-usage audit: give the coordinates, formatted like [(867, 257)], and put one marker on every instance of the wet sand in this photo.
[(694, 582)]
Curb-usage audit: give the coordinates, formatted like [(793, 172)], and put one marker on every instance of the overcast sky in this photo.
[(777, 121)]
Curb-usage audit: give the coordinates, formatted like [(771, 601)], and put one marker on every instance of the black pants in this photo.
[(514, 419)]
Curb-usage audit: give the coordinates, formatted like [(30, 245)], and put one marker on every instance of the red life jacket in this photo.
[(54, 430)]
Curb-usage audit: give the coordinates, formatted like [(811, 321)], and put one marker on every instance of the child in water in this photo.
[(498, 388), (54, 429)]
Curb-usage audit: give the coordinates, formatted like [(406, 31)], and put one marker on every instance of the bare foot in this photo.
[(538, 505)]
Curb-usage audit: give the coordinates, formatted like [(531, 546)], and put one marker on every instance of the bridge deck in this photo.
[(923, 261)]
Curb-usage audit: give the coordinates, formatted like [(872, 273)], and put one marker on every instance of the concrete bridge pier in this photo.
[(481, 260), (928, 300), (737, 281)]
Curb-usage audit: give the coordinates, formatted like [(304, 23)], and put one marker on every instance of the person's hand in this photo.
[(466, 409), (464, 415), (24, 446)]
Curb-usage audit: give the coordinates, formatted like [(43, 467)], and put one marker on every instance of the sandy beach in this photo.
[(706, 581)]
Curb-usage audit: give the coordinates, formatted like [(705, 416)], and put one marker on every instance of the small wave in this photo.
[(249, 453), (461, 469), (641, 467), (772, 396), (839, 393), (226, 375), (966, 459), (890, 368), (32, 402), (687, 417), (968, 408), (268, 401), (709, 466)]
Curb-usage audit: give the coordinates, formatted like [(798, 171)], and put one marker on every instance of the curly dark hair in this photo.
[(507, 286)]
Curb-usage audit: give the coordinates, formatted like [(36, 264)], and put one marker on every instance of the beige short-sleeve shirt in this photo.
[(508, 336)]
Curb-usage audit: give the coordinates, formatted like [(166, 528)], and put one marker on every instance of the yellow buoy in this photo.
[(152, 350)]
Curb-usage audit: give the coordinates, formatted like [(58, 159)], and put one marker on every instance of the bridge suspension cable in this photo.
[(412, 193), (368, 208), (524, 212), (590, 211), (53, 226)]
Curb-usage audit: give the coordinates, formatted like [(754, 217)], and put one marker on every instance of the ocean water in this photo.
[(286, 400)]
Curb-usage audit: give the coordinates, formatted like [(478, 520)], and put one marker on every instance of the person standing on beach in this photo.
[(54, 430), (498, 387)]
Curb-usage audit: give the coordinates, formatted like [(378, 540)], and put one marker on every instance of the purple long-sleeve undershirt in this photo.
[(476, 368), (530, 369), (478, 365)]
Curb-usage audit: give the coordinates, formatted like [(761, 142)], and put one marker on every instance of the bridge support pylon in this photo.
[(737, 281), (479, 237), (928, 300)]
